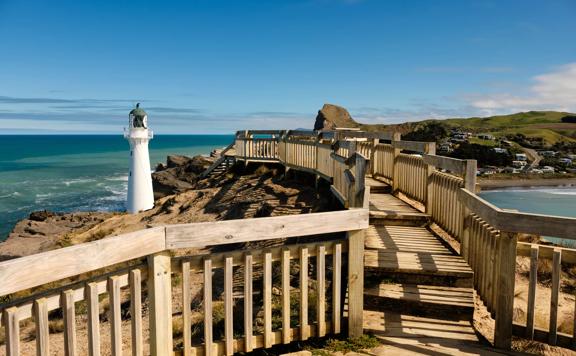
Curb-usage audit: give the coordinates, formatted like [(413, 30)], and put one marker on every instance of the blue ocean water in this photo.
[(559, 201), (77, 172)]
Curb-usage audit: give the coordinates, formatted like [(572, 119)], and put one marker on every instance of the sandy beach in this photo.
[(487, 184)]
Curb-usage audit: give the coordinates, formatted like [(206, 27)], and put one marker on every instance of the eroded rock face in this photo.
[(178, 175), (45, 230), (332, 116)]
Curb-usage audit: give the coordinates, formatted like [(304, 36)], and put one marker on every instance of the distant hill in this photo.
[(551, 126)]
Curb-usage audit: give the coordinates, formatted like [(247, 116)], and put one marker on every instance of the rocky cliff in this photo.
[(332, 116)]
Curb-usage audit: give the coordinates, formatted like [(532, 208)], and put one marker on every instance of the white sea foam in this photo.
[(78, 181), (11, 195), (117, 178)]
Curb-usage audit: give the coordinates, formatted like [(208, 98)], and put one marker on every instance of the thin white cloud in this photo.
[(555, 90)]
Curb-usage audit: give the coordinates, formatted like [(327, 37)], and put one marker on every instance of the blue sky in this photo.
[(218, 66)]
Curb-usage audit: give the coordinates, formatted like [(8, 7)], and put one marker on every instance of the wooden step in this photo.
[(417, 263), (377, 186), (402, 326), (404, 238), (398, 218), (421, 299)]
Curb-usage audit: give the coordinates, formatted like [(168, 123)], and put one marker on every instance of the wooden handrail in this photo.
[(516, 222), (34, 270)]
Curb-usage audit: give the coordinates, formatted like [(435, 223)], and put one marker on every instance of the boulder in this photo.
[(332, 116), (178, 175)]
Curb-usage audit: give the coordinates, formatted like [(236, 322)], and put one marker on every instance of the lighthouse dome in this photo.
[(138, 117)]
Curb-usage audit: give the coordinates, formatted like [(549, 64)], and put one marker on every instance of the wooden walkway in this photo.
[(418, 292)]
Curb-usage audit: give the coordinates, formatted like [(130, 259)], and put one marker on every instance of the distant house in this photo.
[(547, 169), (486, 171), (536, 171), (572, 157), (566, 161), (518, 164), (500, 150), (547, 153), (506, 143), (521, 157), (445, 148), (486, 137), (510, 170)]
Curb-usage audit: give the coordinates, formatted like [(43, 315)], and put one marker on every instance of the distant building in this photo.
[(547, 153), (521, 157), (500, 150), (518, 164), (445, 148), (510, 170), (547, 169), (566, 161), (486, 137)]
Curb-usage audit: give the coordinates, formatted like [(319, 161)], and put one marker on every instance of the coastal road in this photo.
[(533, 156)]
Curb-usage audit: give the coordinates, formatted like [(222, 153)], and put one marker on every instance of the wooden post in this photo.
[(355, 282), (431, 150), (505, 293), (359, 182), (372, 157), (469, 185), (160, 296), (395, 176)]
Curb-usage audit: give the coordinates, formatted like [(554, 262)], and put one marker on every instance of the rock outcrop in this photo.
[(178, 175), (46, 230), (332, 116)]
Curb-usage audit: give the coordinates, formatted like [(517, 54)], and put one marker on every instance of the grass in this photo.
[(545, 124), (327, 347)]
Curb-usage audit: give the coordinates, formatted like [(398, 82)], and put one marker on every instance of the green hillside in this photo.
[(545, 125)]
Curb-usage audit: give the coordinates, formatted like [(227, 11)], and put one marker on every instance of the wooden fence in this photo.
[(125, 285), (490, 247)]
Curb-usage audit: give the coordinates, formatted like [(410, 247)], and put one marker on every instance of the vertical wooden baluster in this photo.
[(228, 306), (41, 318), (160, 297), (286, 330), (505, 305), (268, 299), (208, 306), (115, 317), (12, 330), (355, 282), (556, 272), (135, 280), (304, 294), (321, 289), (69, 311), (248, 346), (91, 296), (532, 291), (337, 288), (186, 311)]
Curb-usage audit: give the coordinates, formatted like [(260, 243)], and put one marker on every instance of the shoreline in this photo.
[(490, 184)]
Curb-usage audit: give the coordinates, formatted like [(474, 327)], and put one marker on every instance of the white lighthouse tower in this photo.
[(140, 193)]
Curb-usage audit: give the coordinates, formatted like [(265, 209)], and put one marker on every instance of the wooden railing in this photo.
[(99, 289), (490, 247)]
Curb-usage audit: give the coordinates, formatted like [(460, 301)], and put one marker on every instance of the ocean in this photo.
[(67, 173)]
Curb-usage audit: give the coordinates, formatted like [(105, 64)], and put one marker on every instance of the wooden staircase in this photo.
[(221, 164), (414, 283)]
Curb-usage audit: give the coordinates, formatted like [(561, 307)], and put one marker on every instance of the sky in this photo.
[(220, 66)]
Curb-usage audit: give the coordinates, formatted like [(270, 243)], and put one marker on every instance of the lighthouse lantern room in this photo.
[(140, 193)]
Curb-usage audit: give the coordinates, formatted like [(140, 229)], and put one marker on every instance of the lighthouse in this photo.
[(140, 193)]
